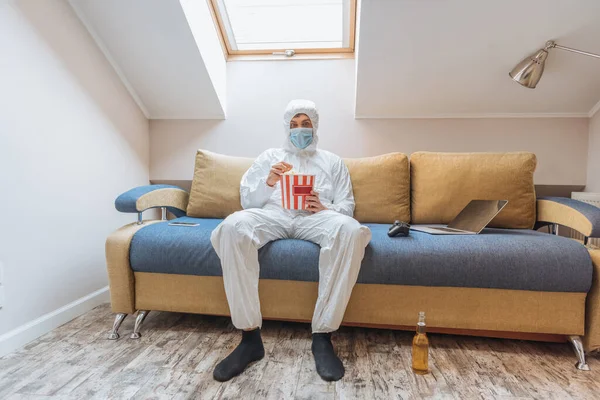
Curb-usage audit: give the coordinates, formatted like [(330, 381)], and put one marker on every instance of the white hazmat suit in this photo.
[(342, 239)]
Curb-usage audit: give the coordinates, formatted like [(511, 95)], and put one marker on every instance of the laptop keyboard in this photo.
[(448, 229)]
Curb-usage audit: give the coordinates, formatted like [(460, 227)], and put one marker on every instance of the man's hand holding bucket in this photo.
[(313, 203)]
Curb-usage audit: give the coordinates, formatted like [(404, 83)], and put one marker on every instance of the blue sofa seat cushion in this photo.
[(496, 258)]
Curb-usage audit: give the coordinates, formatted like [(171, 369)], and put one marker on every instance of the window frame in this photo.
[(343, 52)]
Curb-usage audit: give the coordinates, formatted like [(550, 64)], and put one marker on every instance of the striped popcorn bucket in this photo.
[(294, 189)]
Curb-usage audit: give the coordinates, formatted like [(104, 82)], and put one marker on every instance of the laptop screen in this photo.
[(477, 214)]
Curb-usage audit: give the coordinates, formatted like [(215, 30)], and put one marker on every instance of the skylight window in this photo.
[(295, 26)]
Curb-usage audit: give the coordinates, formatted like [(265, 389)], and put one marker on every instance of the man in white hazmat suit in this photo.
[(327, 222)]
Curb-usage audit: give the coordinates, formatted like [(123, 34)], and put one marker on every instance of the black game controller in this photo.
[(399, 229)]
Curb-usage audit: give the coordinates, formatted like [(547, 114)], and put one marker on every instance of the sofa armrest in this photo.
[(575, 214), (120, 275), (591, 340), (142, 198)]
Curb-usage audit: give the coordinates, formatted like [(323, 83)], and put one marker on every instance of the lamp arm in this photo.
[(551, 44)]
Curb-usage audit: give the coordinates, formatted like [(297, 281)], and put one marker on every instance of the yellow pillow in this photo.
[(381, 188), (444, 183), (215, 189)]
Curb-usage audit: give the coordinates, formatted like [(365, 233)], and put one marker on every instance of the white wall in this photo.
[(257, 93), (71, 140), (593, 182)]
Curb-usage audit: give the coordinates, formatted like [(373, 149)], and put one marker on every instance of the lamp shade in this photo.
[(529, 71)]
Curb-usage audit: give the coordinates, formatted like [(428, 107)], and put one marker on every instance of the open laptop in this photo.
[(470, 221)]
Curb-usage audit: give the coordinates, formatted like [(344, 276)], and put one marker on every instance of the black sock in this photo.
[(329, 366), (250, 349)]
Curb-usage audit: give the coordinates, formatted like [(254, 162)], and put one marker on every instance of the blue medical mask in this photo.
[(301, 137)]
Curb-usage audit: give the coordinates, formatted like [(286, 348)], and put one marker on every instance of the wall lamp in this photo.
[(529, 71)]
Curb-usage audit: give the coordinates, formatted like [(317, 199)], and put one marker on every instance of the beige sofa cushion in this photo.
[(215, 189), (380, 184), (381, 188), (444, 183)]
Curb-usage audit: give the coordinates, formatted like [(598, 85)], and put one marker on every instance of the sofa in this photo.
[(514, 280)]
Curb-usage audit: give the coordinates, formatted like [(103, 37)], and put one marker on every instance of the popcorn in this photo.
[(291, 171), (295, 187)]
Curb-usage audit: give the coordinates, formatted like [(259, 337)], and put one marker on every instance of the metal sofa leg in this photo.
[(114, 334), (141, 316), (578, 346)]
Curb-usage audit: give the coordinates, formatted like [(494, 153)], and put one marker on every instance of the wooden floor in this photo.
[(175, 357)]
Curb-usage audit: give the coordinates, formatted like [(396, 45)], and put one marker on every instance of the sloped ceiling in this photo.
[(432, 58), (415, 59), (152, 47)]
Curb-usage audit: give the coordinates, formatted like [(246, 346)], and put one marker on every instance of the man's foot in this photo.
[(329, 366), (250, 349)]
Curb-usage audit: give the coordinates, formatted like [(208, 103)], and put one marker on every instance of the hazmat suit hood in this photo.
[(294, 108)]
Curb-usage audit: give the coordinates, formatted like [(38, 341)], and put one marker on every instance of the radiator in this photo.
[(590, 198)]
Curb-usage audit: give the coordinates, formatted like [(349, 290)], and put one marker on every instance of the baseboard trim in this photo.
[(24, 334)]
